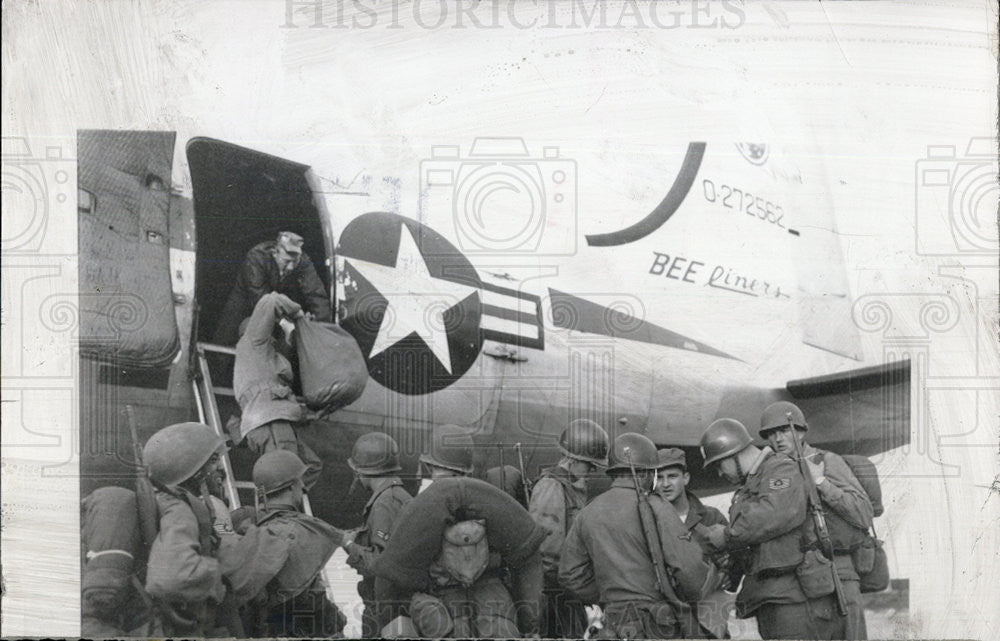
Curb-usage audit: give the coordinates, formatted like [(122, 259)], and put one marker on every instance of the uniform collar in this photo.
[(695, 506), (623, 482), (274, 509), (561, 469), (381, 484)]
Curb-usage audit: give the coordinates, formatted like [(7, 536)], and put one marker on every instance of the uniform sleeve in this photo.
[(271, 308), (843, 493), (576, 570), (313, 291), (255, 276), (251, 561), (380, 521), (177, 570), (548, 509), (714, 517), (779, 507)]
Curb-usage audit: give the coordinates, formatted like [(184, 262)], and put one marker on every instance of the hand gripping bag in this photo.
[(331, 367)]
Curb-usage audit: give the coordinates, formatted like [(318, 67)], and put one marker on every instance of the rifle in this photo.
[(651, 534), (524, 476), (819, 520), (503, 470), (149, 522)]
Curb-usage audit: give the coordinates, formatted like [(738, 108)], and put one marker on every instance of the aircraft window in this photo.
[(86, 202)]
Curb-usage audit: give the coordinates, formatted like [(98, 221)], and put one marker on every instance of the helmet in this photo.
[(671, 457), (277, 470), (451, 448), (375, 453), (781, 414), (635, 448), (510, 477), (723, 438), (585, 440), (176, 452)]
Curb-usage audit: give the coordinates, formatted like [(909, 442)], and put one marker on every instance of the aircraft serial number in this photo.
[(743, 201)]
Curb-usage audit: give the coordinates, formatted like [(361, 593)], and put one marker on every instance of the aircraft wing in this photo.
[(864, 411)]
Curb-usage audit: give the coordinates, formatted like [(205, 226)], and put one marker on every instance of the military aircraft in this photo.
[(510, 297)]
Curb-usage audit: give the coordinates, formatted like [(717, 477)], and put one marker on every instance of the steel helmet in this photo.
[(277, 470), (451, 448), (723, 438), (781, 414), (374, 454), (635, 447), (585, 440), (176, 452)]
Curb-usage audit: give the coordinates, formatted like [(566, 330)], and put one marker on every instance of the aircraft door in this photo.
[(126, 298), (243, 198)]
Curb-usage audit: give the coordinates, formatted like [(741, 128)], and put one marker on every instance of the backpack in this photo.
[(465, 551), (870, 560), (866, 473)]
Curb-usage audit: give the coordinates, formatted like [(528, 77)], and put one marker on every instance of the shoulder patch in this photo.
[(382, 535), (779, 484)]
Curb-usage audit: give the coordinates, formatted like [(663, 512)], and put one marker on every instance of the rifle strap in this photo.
[(208, 538)]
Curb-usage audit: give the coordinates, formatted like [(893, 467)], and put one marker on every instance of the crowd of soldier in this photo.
[(467, 558)]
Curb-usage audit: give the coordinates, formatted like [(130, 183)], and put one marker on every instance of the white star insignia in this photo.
[(417, 300)]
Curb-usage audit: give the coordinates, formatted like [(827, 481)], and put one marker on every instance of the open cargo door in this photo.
[(126, 298), (243, 197)]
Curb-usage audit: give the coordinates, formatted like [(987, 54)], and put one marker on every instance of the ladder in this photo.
[(205, 394)]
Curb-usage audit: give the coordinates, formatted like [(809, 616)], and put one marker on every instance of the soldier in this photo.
[(445, 559), (846, 506), (375, 461), (274, 569), (608, 557), (183, 574), (508, 478), (451, 453), (273, 266), (558, 495), (262, 381), (468, 585), (767, 533), (672, 481)]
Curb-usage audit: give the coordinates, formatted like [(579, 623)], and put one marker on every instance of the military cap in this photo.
[(671, 457)]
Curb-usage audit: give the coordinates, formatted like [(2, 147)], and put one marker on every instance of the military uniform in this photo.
[(605, 560), (183, 574), (259, 276), (849, 515), (767, 533), (388, 498), (701, 514), (262, 380), (712, 612), (555, 501), (274, 571)]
